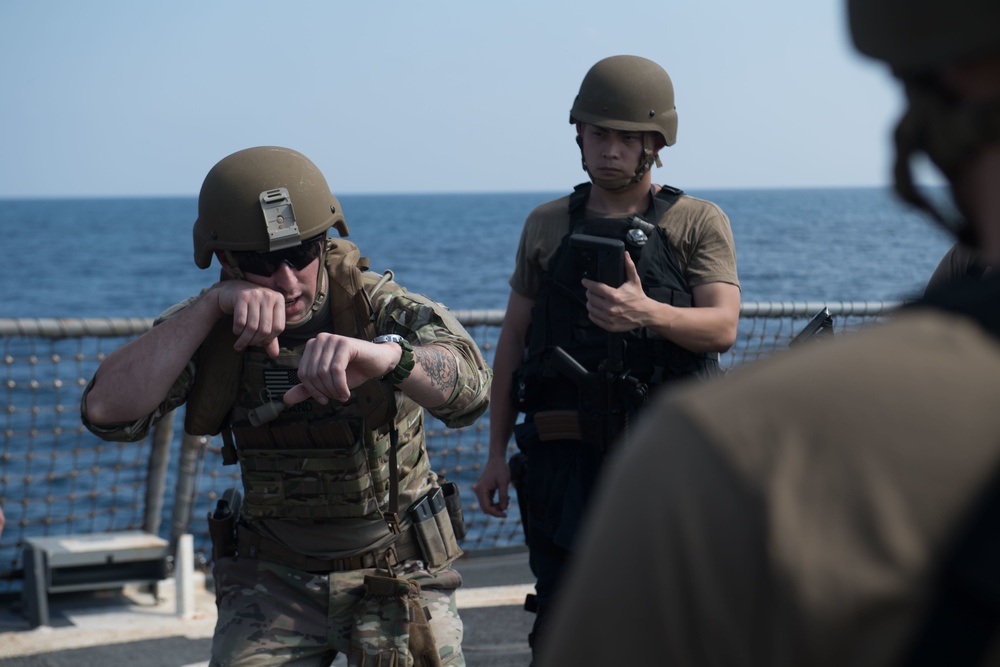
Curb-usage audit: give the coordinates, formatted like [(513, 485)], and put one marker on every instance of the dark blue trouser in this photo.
[(559, 481)]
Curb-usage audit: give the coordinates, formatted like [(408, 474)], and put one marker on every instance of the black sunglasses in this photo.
[(266, 263)]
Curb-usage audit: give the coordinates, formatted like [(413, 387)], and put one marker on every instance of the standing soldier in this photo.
[(837, 504), (316, 372), (618, 288)]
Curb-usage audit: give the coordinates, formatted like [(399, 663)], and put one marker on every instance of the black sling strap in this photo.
[(577, 202)]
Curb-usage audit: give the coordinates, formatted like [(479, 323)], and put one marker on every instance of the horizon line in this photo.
[(412, 193)]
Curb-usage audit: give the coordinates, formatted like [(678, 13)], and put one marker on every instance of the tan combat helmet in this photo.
[(916, 38), (630, 94), (263, 199)]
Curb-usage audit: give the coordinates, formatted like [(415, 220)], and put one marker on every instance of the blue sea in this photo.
[(89, 258), (134, 257)]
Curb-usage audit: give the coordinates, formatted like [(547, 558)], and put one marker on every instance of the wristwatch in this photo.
[(405, 365)]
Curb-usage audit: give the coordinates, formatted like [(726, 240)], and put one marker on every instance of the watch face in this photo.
[(388, 338)]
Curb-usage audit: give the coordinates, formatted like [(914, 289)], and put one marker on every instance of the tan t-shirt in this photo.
[(698, 230), (792, 513)]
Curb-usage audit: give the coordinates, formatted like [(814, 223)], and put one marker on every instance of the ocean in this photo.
[(112, 258), (134, 258)]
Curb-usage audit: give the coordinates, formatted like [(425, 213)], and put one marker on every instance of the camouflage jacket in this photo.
[(397, 311), (420, 320)]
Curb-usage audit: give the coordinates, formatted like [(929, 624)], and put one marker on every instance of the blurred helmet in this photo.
[(917, 35), (917, 39), (263, 199), (627, 93)]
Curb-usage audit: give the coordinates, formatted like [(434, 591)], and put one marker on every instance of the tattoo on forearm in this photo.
[(439, 365)]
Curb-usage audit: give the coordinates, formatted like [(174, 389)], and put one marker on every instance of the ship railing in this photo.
[(56, 478)]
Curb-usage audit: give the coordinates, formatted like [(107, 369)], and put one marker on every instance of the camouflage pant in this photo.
[(270, 614)]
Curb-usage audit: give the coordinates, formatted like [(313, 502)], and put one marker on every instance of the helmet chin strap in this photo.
[(231, 267), (321, 290), (908, 144), (649, 157)]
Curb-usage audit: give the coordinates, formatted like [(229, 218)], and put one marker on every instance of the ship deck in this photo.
[(131, 626)]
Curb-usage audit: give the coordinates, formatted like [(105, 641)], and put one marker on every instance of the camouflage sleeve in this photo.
[(139, 429), (423, 321)]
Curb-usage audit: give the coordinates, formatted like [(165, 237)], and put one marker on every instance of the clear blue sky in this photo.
[(127, 97)]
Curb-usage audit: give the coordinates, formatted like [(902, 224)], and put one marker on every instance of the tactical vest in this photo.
[(314, 461), (559, 316)]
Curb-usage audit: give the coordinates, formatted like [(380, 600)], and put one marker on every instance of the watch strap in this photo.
[(405, 365), (406, 361)]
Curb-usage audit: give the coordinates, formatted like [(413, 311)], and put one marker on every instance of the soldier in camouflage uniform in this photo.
[(316, 373)]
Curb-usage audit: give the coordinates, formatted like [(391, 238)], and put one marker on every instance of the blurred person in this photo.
[(316, 372), (837, 504), (620, 288), (961, 262)]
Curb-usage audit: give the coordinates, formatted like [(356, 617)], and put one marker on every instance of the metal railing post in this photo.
[(156, 478), (192, 453)]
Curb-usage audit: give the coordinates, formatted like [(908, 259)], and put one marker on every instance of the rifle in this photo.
[(607, 395), (820, 325), (603, 260)]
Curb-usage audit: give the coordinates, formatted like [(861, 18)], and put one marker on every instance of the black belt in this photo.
[(252, 545)]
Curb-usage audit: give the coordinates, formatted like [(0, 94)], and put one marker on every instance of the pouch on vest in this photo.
[(391, 627), (216, 381), (435, 534), (453, 501)]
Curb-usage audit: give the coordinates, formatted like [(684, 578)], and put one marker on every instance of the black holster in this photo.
[(222, 524), (525, 435)]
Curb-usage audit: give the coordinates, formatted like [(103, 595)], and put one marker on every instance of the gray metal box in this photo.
[(88, 562)]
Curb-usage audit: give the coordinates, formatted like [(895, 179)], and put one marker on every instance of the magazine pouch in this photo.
[(435, 534), (453, 501)]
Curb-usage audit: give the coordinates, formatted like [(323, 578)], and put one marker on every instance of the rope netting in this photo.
[(56, 478)]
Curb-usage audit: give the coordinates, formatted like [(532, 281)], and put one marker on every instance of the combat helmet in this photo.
[(263, 199), (631, 94), (916, 38)]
